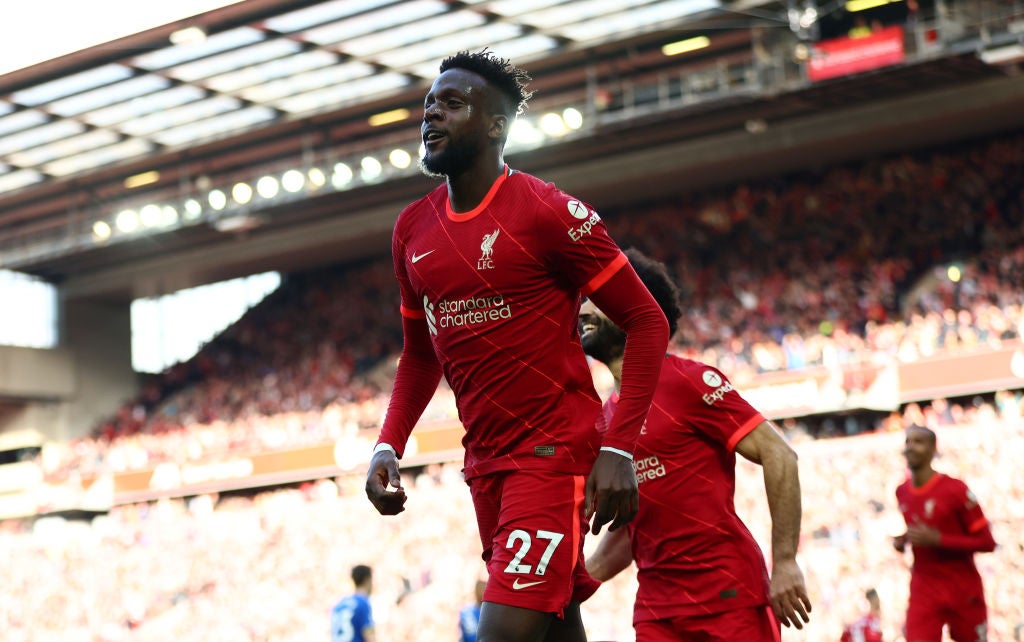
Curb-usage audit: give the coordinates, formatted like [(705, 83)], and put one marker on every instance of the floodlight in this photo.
[(316, 177), (150, 215), (242, 193), (342, 175), (267, 187), (127, 221), (293, 180), (169, 216), (371, 168), (553, 125), (218, 200), (400, 158), (193, 209), (572, 117), (101, 230)]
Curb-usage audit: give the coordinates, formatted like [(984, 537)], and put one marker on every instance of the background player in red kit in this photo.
[(491, 266), (702, 575), (945, 528), (868, 627)]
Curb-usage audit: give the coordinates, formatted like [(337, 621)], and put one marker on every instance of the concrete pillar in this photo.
[(98, 336)]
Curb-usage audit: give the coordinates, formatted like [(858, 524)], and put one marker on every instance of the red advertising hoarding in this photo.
[(845, 56)]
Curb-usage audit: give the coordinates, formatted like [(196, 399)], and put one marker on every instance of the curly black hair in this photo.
[(664, 290), (499, 72)]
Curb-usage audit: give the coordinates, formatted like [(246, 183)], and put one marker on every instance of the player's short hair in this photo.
[(361, 573), (927, 431), (664, 290), (498, 72), (871, 593)]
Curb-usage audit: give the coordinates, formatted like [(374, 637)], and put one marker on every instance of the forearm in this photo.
[(415, 382), (782, 486), (612, 556), (979, 542), (631, 307)]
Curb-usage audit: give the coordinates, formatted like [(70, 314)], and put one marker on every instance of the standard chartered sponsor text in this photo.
[(472, 311), (648, 468)]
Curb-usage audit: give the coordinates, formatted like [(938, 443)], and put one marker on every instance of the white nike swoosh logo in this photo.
[(516, 585), (417, 257)]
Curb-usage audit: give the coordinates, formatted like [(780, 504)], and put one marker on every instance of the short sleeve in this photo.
[(576, 241), (715, 407), (364, 615)]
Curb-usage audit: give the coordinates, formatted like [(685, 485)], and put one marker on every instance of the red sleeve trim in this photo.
[(745, 429), (605, 274), (409, 313), (977, 525)]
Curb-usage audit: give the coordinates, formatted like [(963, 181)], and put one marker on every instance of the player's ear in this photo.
[(499, 127)]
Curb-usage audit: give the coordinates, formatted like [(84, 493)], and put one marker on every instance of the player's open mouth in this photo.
[(432, 137), (586, 328)]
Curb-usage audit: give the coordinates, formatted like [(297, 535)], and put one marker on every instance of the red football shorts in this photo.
[(755, 624), (933, 605), (532, 526)]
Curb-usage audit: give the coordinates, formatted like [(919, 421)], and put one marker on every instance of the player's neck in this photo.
[(615, 366), (468, 189), (922, 476)]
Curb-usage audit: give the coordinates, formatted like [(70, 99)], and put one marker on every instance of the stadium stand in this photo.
[(326, 338)]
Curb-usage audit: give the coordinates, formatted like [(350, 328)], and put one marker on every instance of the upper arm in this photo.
[(575, 243), (410, 304), (621, 294), (972, 517), (713, 405), (762, 442)]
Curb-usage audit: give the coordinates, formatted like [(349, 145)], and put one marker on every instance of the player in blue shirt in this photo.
[(469, 616), (352, 617)]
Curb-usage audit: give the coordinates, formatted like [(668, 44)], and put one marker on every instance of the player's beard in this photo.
[(605, 343), (454, 159)]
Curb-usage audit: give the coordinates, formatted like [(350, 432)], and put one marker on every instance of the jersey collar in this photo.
[(466, 216)]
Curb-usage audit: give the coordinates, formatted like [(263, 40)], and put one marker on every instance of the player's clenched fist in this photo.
[(383, 473), (611, 494)]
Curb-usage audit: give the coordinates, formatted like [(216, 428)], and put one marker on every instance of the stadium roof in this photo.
[(158, 123), (259, 62)]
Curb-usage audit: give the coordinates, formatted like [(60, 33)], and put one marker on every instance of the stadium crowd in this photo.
[(268, 567), (891, 259), (850, 265)]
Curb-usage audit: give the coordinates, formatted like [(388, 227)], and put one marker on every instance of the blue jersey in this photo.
[(469, 620), (349, 618)]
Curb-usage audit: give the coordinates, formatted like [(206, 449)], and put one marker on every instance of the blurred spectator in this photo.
[(469, 616), (868, 627), (352, 616)]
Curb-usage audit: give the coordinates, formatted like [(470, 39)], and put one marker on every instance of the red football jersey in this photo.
[(944, 503), (693, 553), (500, 289), (867, 628)]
